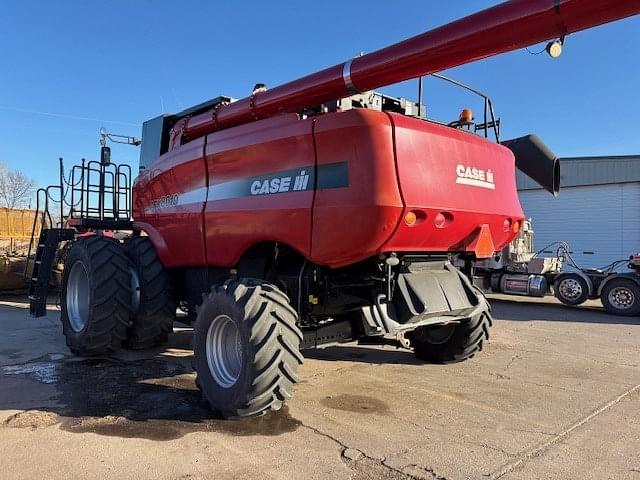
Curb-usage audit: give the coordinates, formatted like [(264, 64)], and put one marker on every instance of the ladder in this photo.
[(48, 243)]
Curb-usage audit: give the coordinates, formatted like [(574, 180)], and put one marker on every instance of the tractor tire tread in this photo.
[(468, 339), (274, 337), (111, 306), (157, 311)]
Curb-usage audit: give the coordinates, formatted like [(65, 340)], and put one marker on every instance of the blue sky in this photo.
[(70, 67)]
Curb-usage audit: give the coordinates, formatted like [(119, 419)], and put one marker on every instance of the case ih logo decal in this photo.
[(475, 177), (332, 175), (281, 184)]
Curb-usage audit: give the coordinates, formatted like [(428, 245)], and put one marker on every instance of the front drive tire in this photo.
[(96, 296), (452, 343), (246, 347), (156, 312)]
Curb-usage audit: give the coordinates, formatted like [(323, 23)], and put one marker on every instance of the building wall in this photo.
[(601, 223)]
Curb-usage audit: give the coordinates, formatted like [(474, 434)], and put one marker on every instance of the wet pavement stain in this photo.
[(356, 403), (154, 399), (43, 369)]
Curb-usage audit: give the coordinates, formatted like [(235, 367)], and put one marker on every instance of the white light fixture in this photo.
[(554, 48)]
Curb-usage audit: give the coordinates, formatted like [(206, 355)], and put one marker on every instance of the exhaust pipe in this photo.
[(537, 161)]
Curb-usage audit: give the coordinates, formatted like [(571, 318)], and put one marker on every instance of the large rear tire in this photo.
[(96, 296), (156, 311), (452, 343), (246, 347)]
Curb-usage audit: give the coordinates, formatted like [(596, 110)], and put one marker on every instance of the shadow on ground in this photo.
[(364, 354), (512, 310), (126, 395)]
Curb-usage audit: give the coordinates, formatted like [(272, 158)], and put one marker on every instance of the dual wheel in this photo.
[(246, 341), (114, 296), (619, 295), (571, 289)]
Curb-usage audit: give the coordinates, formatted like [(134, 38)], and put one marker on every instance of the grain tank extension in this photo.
[(315, 212)]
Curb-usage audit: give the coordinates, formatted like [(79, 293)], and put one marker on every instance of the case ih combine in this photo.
[(314, 212)]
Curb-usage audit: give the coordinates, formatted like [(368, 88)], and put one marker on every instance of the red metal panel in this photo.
[(430, 159), (502, 28), (168, 199), (350, 224), (235, 218), (432, 170)]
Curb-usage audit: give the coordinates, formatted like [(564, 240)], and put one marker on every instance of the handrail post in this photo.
[(61, 192), (82, 187)]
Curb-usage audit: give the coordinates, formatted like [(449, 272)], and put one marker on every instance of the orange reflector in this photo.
[(483, 244), (410, 218), (516, 226)]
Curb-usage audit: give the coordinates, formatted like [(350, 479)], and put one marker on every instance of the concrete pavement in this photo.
[(556, 394)]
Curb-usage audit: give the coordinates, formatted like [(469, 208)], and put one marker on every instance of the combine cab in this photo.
[(315, 212)]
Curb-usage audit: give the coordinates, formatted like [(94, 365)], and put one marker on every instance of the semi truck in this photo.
[(521, 270)]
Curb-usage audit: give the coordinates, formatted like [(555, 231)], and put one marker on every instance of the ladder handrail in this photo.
[(36, 215), (113, 180)]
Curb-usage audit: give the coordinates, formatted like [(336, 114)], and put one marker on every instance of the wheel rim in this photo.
[(570, 289), (439, 335), (78, 297), (224, 351), (621, 298)]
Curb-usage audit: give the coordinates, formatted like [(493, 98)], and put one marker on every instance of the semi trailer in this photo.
[(521, 270), (315, 212)]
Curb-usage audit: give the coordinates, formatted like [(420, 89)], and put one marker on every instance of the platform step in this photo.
[(43, 264)]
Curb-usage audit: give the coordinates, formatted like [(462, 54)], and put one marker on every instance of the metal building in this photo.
[(597, 211)]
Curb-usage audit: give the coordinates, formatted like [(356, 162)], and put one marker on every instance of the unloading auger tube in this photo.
[(499, 29)]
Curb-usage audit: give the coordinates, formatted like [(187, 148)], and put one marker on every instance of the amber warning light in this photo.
[(466, 116)]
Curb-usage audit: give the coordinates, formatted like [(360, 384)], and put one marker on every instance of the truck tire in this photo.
[(452, 343), (156, 311), (96, 296), (571, 289), (246, 347), (621, 296)]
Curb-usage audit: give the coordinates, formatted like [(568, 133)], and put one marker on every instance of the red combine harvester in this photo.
[(315, 212)]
